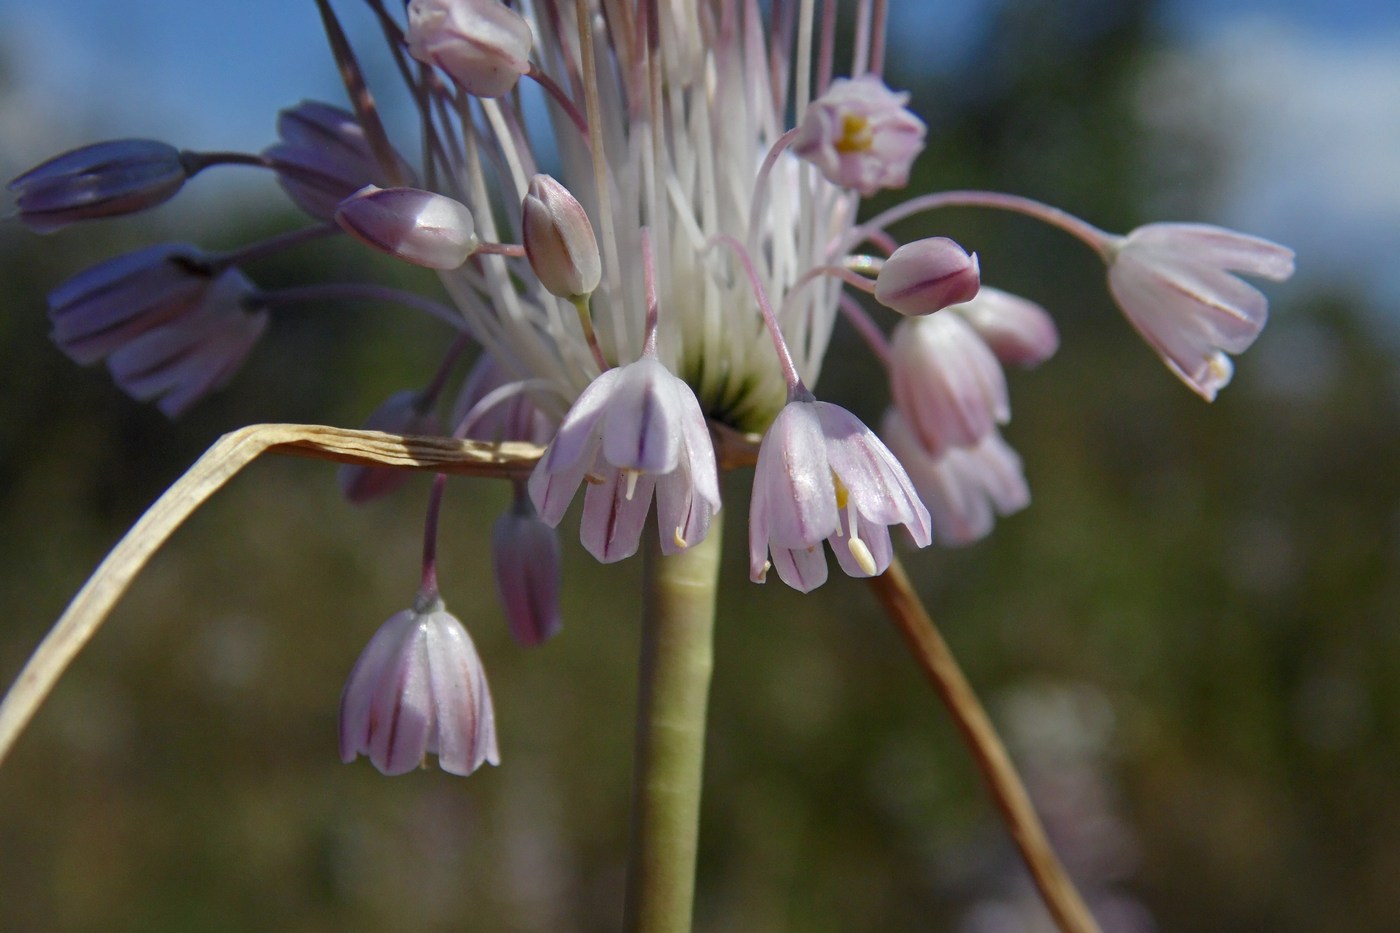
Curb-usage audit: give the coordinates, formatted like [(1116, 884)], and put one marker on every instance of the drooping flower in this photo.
[(822, 475), (1175, 284), (170, 325), (926, 276), (965, 488), (417, 689), (635, 429), (946, 381), (105, 179), (525, 554), (483, 45), (861, 135)]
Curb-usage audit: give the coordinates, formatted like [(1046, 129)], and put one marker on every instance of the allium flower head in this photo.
[(1175, 284), (861, 135), (102, 180), (418, 688), (635, 429), (822, 475)]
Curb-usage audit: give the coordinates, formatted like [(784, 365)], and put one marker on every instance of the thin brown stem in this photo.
[(897, 596)]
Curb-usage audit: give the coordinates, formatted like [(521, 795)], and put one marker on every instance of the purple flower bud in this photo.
[(418, 688), (483, 45), (526, 556), (559, 239), (401, 413), (926, 276), (102, 180), (1174, 283), (168, 327), (417, 226), (1019, 332), (323, 157), (861, 135)]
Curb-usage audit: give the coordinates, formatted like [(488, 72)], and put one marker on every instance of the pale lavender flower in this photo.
[(861, 135), (946, 381), (483, 45), (417, 226), (418, 688), (169, 326), (1018, 331), (635, 429), (105, 179), (525, 554), (559, 240), (1175, 284), (926, 276), (965, 488), (822, 475), (405, 412), (323, 157)]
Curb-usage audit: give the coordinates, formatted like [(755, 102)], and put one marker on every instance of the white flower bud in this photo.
[(559, 239)]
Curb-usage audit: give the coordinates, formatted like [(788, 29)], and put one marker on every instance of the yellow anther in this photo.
[(856, 135), (680, 541)]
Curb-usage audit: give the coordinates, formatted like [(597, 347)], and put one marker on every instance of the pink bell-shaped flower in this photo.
[(946, 381), (634, 430), (525, 554), (1019, 332), (419, 688), (1175, 284), (822, 475)]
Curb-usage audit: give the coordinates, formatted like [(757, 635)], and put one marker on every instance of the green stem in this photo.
[(677, 657)]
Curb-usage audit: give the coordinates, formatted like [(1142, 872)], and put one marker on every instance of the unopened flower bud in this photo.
[(103, 180), (323, 157), (526, 561), (403, 412), (419, 688), (861, 135), (421, 227), (927, 275), (559, 239), (483, 45)]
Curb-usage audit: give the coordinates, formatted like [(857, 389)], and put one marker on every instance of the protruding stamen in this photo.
[(632, 477)]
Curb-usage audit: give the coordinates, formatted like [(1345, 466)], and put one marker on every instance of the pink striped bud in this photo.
[(421, 227), (927, 275), (559, 239)]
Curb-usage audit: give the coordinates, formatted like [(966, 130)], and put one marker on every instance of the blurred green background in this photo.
[(1190, 639)]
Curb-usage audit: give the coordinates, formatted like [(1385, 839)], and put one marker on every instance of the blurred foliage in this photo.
[(1218, 586)]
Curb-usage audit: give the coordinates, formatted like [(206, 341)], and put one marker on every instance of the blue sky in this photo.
[(1314, 160)]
